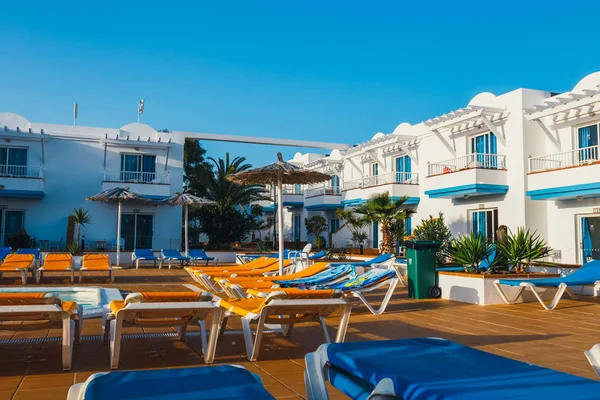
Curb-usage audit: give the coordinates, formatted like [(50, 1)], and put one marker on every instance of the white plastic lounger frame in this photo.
[(111, 273), (593, 356), (136, 260), (129, 315), (392, 282), (39, 273), (562, 288), (53, 315), (23, 272), (277, 312)]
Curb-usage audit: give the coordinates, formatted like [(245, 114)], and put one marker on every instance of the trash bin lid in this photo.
[(421, 244)]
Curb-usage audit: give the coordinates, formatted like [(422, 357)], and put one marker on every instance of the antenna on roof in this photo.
[(75, 109), (140, 109)]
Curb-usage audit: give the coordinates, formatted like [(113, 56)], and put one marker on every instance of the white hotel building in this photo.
[(48, 170), (524, 158)]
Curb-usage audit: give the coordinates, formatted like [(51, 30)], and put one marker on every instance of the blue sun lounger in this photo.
[(371, 280), (174, 255), (587, 275), (4, 251), (430, 368), (200, 255), (318, 256), (36, 254), (382, 259), (218, 383), (332, 274), (144, 255)]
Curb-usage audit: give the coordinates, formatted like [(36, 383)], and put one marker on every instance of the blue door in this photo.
[(479, 222), (588, 141), (486, 148), (403, 169), (375, 235), (297, 227), (590, 239), (335, 183)]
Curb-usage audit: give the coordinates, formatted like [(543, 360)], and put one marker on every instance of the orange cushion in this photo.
[(14, 262), (69, 306), (11, 298), (116, 305), (170, 296), (96, 262), (243, 307)]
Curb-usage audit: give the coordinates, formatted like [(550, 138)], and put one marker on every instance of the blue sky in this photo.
[(336, 71)]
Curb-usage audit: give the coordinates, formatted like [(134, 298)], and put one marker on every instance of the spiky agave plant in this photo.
[(522, 248), (469, 251)]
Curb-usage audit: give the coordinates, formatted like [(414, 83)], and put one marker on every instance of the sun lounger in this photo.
[(144, 255), (17, 263), (318, 255), (257, 264), (98, 263), (36, 253), (301, 255), (593, 356), (41, 311), (332, 274), (161, 309), (200, 255), (285, 308), (220, 382), (381, 261), (587, 275), (429, 368), (4, 251), (56, 262), (171, 255)]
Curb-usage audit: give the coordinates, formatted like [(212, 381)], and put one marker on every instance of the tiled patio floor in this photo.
[(554, 339)]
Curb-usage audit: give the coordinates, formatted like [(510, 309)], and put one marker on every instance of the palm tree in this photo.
[(381, 208), (80, 217)]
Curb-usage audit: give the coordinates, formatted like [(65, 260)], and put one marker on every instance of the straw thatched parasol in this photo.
[(186, 200), (279, 173), (120, 195)]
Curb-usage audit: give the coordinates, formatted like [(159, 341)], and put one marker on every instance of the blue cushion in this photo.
[(4, 251), (218, 382), (199, 254), (426, 368), (173, 254), (318, 255), (362, 281), (586, 275), (35, 252), (377, 260), (322, 277), (146, 254)]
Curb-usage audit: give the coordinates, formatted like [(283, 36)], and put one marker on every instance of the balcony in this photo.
[(322, 198), (568, 175), (21, 181), (398, 184), (155, 185), (467, 176)]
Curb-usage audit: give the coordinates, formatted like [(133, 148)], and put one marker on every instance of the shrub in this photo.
[(316, 225), (469, 251), (20, 240), (522, 248), (434, 228)]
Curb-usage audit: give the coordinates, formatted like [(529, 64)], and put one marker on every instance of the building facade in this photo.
[(524, 158), (46, 171)]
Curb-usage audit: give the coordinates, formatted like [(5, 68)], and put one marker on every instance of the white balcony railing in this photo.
[(573, 158), (323, 190), (470, 161), (136, 177), (20, 171), (406, 178), (286, 189)]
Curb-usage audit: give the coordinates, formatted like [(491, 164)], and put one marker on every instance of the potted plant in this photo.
[(469, 251), (520, 249), (76, 253), (81, 217), (434, 228)]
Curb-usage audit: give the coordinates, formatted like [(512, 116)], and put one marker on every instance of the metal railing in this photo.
[(20, 171), (566, 159), (136, 177), (286, 189), (323, 190), (405, 178), (470, 161)]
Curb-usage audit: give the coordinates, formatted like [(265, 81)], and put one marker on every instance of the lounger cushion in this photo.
[(116, 305), (243, 307), (158, 297), (69, 307), (328, 275), (37, 298), (585, 275), (96, 262), (218, 382), (57, 262), (306, 272), (427, 368), (17, 262), (369, 278)]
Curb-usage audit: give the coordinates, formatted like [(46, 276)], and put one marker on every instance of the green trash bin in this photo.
[(420, 268)]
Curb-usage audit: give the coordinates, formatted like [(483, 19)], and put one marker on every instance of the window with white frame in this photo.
[(138, 167), (587, 142), (484, 147), (13, 161), (484, 222), (403, 169)]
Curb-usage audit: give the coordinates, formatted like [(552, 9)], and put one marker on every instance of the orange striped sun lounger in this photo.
[(40, 311), (56, 262), (161, 309), (18, 263), (283, 309)]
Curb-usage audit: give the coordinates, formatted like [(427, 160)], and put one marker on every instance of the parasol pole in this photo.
[(280, 220), (186, 229), (118, 233)]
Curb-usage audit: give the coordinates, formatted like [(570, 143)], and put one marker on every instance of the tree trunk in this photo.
[(387, 244), (78, 243)]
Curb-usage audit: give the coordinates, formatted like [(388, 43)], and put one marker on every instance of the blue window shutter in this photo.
[(408, 226)]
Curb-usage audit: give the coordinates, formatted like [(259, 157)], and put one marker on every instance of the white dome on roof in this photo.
[(298, 157), (335, 155), (378, 135), (13, 121), (403, 129), (589, 82), (136, 128), (485, 99)]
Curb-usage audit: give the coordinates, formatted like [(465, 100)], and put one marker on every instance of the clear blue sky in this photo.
[(317, 70)]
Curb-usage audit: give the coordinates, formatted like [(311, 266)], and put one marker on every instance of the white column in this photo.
[(119, 233), (186, 229), (280, 221)]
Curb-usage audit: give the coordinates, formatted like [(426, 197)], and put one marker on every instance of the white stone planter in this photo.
[(480, 289)]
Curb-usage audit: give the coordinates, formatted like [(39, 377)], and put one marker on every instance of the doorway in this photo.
[(590, 239), (137, 230), (11, 223)]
